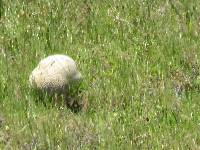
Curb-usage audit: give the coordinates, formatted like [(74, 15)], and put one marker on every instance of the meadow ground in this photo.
[(140, 62)]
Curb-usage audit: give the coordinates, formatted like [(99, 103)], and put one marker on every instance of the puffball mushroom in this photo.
[(54, 74)]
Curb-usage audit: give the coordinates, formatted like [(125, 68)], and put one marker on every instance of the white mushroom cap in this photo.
[(54, 73)]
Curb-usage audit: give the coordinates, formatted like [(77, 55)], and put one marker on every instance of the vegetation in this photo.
[(140, 62)]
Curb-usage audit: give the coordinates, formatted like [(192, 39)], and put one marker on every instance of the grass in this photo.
[(140, 62)]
